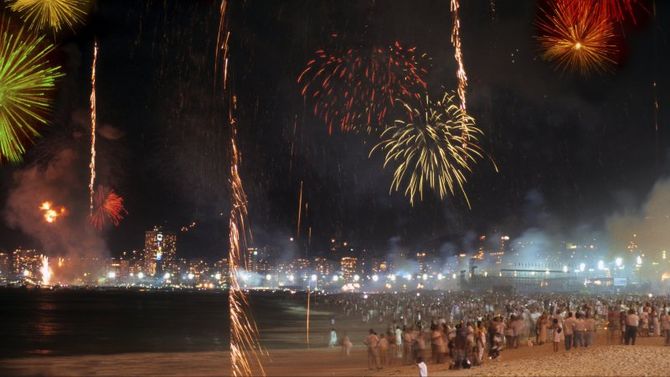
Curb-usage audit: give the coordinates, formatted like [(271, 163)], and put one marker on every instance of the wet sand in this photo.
[(648, 358)]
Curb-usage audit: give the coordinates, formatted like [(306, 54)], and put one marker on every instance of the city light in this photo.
[(190, 276), (375, 278), (357, 278), (291, 278), (217, 276), (582, 267), (565, 269), (140, 275), (424, 277), (440, 276), (618, 262), (166, 276), (111, 275), (408, 277), (638, 260), (601, 265), (336, 278), (313, 277)]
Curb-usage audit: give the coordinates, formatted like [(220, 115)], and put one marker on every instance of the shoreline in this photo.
[(648, 358)]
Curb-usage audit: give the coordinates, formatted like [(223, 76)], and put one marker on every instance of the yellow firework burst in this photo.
[(433, 149), (51, 14)]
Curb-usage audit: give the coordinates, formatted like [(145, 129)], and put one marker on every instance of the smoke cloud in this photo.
[(70, 235)]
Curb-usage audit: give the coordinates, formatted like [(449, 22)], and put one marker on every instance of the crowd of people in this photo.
[(465, 329)]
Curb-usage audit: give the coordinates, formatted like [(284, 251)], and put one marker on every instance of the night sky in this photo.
[(571, 150)]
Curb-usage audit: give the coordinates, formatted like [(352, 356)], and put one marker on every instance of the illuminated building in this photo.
[(323, 266), (301, 265), (25, 260), (421, 260), (348, 267), (160, 249), (5, 266)]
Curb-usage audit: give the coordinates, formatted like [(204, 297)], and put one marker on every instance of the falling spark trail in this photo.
[(299, 212), (458, 55), (244, 345), (243, 330), (222, 43), (91, 184)]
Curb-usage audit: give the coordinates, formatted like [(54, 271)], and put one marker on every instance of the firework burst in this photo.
[(433, 149), (53, 14), (50, 212), (354, 90), (108, 207), (618, 10), (577, 35), (26, 83)]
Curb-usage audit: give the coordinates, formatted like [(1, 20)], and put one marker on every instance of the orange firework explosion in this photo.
[(107, 206), (354, 90), (51, 213), (577, 35)]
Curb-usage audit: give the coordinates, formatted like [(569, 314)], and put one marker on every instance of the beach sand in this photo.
[(648, 358)]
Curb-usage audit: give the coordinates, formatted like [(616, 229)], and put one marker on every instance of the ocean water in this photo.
[(82, 321)]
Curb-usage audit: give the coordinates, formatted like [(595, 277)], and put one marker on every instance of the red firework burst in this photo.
[(618, 10), (354, 90), (108, 206)]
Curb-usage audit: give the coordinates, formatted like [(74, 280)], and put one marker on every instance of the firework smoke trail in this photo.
[(244, 345), (91, 187), (458, 55)]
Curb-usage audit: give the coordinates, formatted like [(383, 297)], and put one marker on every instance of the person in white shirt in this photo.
[(398, 341), (590, 332), (423, 368), (632, 322)]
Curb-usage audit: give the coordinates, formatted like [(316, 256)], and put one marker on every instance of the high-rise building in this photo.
[(323, 266), (348, 267), (421, 261), (5, 266), (25, 262), (160, 249)]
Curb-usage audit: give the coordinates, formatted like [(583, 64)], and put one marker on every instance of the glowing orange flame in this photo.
[(51, 213)]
